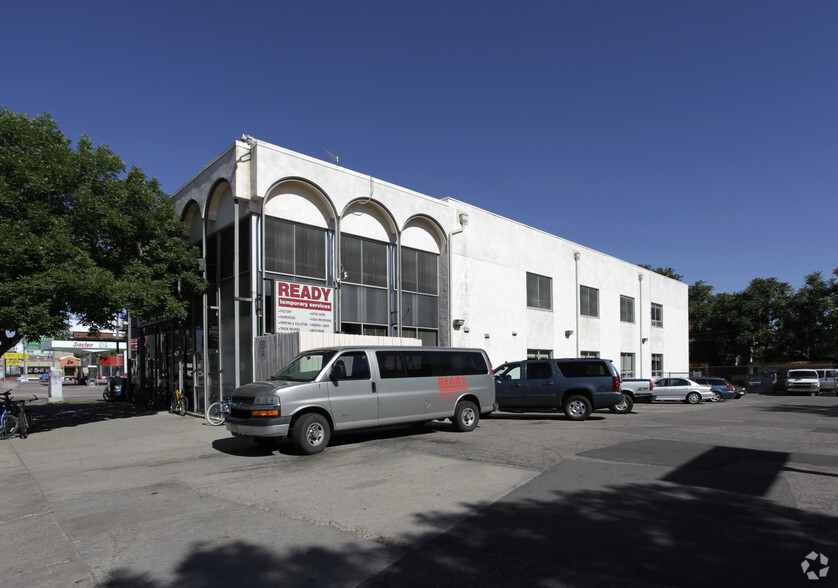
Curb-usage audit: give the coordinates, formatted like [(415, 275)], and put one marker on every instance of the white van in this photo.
[(828, 379), (343, 388), (803, 382)]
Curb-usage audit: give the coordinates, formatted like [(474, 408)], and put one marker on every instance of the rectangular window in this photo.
[(419, 271), (423, 364), (589, 354), (657, 315), (428, 337), (657, 365), (539, 354), (295, 249), (583, 369), (627, 365), (588, 301), (626, 309), (539, 292), (363, 262)]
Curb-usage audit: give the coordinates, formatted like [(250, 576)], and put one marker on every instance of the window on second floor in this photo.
[(588, 301), (626, 309), (657, 315), (539, 292)]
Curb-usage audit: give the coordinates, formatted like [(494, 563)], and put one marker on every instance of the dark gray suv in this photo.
[(573, 386)]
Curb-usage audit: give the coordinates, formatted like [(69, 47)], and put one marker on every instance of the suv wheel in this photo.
[(577, 408)]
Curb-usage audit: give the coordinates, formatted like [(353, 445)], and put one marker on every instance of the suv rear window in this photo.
[(583, 369)]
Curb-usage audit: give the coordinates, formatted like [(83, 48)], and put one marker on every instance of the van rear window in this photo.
[(423, 364)]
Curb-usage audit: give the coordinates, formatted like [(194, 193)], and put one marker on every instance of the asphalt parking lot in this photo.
[(741, 492)]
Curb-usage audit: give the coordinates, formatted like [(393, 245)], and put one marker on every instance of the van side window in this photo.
[(424, 364), (390, 364), (355, 366)]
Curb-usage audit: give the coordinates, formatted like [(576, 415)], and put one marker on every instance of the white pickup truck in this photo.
[(635, 391)]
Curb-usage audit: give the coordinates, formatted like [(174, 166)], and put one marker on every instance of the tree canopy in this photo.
[(767, 322), (664, 271), (82, 236)]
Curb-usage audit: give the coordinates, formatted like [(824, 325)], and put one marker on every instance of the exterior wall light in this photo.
[(567, 334), (459, 323)]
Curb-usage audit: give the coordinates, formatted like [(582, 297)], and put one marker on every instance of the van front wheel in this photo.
[(466, 416), (311, 434)]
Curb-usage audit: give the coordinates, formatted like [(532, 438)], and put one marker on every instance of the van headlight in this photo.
[(266, 400)]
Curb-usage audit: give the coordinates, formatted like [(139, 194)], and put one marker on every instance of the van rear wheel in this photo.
[(466, 416), (311, 433)]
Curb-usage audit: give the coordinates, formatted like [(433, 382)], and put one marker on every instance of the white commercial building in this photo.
[(295, 243)]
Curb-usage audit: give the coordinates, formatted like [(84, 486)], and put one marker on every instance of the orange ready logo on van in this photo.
[(449, 386)]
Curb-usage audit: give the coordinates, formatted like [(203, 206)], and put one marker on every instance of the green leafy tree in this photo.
[(764, 306), (810, 330), (83, 237), (664, 271)]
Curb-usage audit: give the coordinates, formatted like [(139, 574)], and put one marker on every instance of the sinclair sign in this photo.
[(304, 307)]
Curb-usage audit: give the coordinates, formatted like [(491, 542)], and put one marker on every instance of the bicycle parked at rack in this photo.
[(179, 404), (16, 418), (8, 424), (217, 412)]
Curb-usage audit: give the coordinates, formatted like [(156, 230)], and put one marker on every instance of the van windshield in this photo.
[(810, 374), (304, 368)]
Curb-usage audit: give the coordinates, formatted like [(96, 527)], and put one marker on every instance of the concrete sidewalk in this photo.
[(109, 494)]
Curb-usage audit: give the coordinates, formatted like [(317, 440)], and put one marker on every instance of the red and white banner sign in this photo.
[(303, 307)]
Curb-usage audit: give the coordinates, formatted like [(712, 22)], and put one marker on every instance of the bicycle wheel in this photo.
[(28, 420), (215, 414), (8, 426), (182, 406)]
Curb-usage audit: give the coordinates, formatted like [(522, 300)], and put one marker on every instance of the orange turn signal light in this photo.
[(265, 413)]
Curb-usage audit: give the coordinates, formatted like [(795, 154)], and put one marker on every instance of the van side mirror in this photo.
[(338, 371)]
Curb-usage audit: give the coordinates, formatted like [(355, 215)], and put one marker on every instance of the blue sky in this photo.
[(701, 136)]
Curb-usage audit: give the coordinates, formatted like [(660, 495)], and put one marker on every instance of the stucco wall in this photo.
[(490, 257)]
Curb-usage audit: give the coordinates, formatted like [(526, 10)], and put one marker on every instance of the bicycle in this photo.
[(16, 418), (179, 404), (8, 424), (217, 412)]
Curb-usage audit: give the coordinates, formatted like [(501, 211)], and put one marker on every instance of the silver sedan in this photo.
[(682, 389)]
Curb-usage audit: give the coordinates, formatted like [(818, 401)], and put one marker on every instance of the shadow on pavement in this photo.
[(49, 417), (249, 447), (813, 409), (629, 535)]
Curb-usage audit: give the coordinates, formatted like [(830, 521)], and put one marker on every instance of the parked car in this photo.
[(803, 382), (682, 389), (573, 386), (723, 389)]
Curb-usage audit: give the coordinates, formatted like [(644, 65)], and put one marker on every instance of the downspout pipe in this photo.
[(576, 256), (462, 218)]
